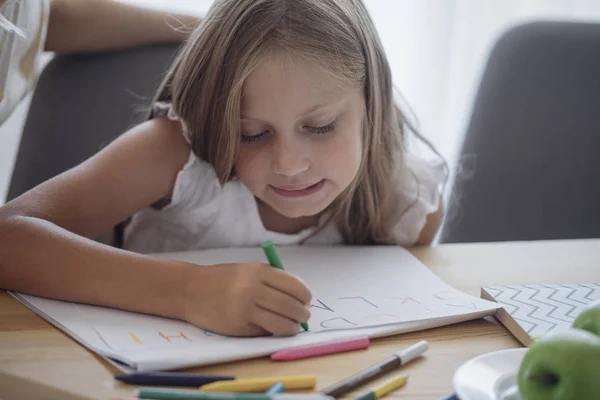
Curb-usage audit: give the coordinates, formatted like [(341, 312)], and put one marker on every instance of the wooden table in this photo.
[(37, 361)]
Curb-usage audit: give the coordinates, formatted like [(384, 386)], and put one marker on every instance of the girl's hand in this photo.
[(248, 299)]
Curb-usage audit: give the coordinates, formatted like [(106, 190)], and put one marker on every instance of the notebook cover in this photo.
[(531, 311)]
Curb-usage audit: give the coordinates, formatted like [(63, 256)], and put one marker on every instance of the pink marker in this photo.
[(296, 353)]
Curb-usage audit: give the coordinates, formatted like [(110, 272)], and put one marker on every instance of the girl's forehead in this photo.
[(286, 76)]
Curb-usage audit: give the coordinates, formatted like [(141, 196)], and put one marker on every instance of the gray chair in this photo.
[(80, 104), (533, 142)]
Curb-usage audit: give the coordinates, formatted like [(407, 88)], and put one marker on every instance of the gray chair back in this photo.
[(80, 104), (533, 141)]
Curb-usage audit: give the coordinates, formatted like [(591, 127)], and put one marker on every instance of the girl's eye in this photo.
[(319, 130), (322, 129), (253, 137)]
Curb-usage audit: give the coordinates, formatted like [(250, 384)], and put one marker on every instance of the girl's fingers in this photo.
[(250, 330), (274, 322), (281, 303), (287, 283)]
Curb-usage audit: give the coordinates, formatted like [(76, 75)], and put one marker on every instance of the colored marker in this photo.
[(190, 394), (296, 353), (397, 360), (450, 396), (275, 261), (170, 379), (275, 389), (385, 388), (261, 384)]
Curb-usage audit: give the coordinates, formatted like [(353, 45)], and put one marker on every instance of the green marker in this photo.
[(275, 261), (195, 394), (191, 394)]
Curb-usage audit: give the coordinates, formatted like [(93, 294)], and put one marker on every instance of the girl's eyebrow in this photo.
[(314, 108), (321, 105)]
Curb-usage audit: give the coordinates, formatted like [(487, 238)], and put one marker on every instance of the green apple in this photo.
[(561, 366), (589, 319)]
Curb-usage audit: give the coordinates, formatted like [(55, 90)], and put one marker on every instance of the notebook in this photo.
[(357, 291), (531, 311)]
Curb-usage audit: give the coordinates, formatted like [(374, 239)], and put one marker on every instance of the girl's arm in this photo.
[(98, 25), (46, 250), (432, 225)]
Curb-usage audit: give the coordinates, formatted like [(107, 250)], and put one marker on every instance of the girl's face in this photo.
[(301, 137)]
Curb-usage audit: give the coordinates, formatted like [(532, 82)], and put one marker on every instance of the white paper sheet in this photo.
[(357, 291)]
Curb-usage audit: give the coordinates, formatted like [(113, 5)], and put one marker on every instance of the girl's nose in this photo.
[(290, 157)]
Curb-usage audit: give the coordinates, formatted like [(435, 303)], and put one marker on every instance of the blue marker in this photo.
[(275, 389), (170, 378)]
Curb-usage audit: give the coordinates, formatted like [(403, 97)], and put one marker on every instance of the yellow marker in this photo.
[(261, 384), (387, 387)]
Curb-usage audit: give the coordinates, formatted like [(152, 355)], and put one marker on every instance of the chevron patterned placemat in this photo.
[(530, 311)]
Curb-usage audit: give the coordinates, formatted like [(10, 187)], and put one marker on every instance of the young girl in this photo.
[(276, 122)]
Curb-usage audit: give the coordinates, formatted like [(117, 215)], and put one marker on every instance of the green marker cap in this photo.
[(272, 255), (367, 396)]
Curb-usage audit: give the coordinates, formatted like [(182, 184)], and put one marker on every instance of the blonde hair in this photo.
[(205, 87)]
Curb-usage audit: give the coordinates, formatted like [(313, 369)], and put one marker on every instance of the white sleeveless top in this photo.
[(203, 214)]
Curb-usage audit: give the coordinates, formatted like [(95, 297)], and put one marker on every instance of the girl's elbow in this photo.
[(431, 227)]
